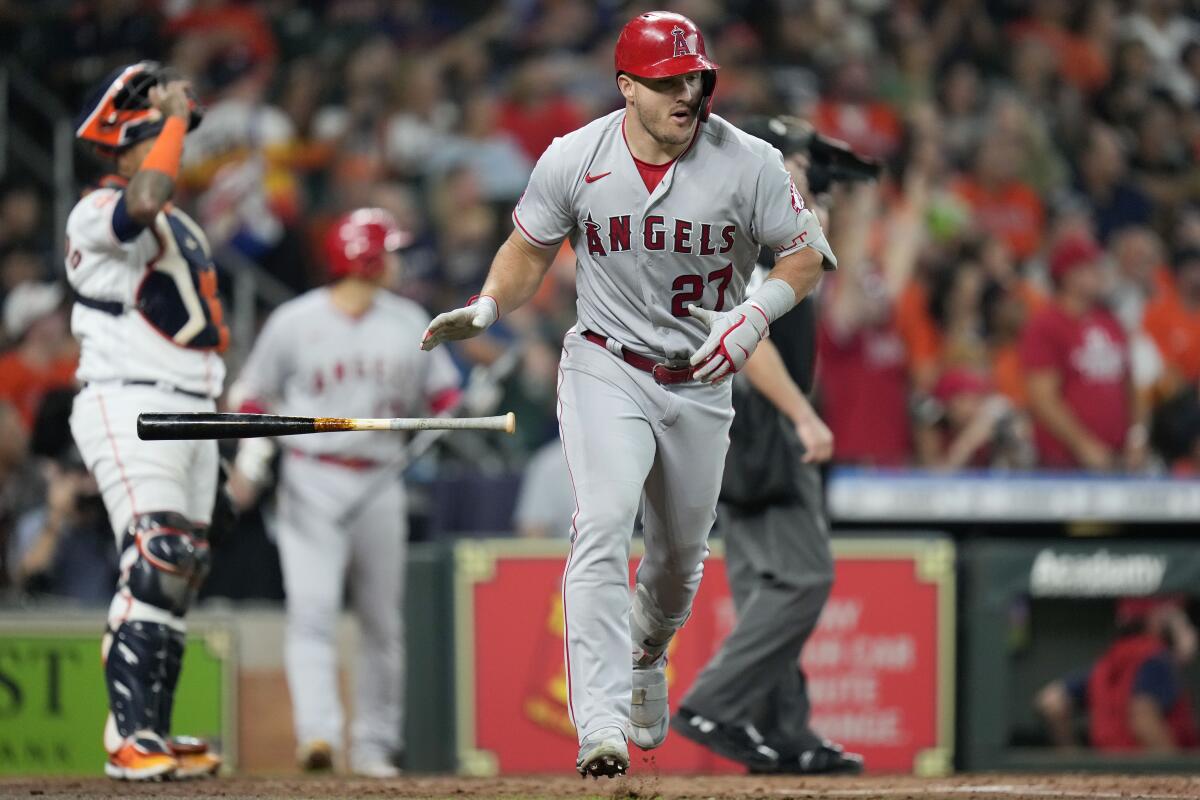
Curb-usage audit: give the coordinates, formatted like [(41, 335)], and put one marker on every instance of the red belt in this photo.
[(349, 462), (661, 372)]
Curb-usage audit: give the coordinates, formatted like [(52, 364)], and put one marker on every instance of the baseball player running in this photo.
[(666, 208), (329, 352), (150, 329)]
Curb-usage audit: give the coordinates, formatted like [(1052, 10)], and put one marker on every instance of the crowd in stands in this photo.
[(1021, 289)]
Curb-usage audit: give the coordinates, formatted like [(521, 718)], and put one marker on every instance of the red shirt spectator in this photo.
[(864, 389), (1076, 358), (1142, 666), (45, 356), (535, 110)]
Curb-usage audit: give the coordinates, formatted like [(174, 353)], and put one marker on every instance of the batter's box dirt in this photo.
[(635, 787)]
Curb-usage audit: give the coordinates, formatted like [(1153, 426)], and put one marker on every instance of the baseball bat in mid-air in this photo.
[(218, 425)]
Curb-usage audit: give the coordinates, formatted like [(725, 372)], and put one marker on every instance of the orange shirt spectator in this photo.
[(851, 112), (1010, 211), (1172, 319), (921, 337), (45, 356), (871, 128)]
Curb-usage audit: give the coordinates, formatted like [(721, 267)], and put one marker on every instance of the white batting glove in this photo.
[(732, 337), (461, 323)]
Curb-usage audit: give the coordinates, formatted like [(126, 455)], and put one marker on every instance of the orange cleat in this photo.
[(141, 757), (194, 757)]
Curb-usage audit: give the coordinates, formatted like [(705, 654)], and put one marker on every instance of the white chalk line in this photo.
[(995, 789)]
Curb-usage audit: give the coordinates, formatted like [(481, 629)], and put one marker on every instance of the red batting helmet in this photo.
[(118, 113), (356, 243), (660, 44)]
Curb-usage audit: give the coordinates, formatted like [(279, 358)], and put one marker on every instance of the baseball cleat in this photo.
[(381, 770), (141, 757), (603, 754), (649, 713), (741, 743), (826, 759), (315, 756), (194, 758)]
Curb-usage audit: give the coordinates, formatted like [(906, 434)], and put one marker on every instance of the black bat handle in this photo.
[(214, 425)]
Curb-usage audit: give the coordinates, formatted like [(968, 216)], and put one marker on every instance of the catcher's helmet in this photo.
[(355, 245), (118, 113), (660, 44)]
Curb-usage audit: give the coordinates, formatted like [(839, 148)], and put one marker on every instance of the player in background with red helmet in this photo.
[(150, 329), (330, 352)]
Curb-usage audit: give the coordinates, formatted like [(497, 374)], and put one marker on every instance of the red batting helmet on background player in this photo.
[(661, 44), (355, 245)]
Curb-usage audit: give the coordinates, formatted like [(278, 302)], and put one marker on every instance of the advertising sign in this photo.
[(880, 664), (53, 700)]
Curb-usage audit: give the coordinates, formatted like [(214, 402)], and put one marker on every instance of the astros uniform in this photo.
[(311, 359), (150, 331), (632, 437)]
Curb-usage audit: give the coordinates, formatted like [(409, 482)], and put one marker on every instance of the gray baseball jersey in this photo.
[(642, 259), (310, 359)]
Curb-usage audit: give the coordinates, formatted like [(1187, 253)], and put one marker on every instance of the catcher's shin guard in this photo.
[(163, 561)]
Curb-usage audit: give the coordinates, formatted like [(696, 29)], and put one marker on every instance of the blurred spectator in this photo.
[(1002, 205), (416, 132), (20, 487), (494, 156), (966, 423), (849, 111), (962, 99), (1140, 279), (1173, 321), (1076, 357), (1087, 58), (535, 110), (467, 228), (64, 547), (218, 25), (1114, 200), (1176, 432), (20, 218), (237, 163), (1141, 275), (1134, 695), (45, 355), (546, 503), (1009, 299), (19, 267), (1159, 160), (1165, 30), (862, 358)]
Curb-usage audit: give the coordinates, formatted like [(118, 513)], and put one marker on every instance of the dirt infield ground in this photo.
[(971, 787)]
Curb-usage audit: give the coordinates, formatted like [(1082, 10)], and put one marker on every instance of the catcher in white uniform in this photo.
[(666, 208), (150, 329), (341, 502)]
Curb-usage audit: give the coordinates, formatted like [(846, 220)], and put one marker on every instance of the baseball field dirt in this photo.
[(641, 787)]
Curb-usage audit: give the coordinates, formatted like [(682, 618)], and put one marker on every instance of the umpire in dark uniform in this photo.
[(750, 703)]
